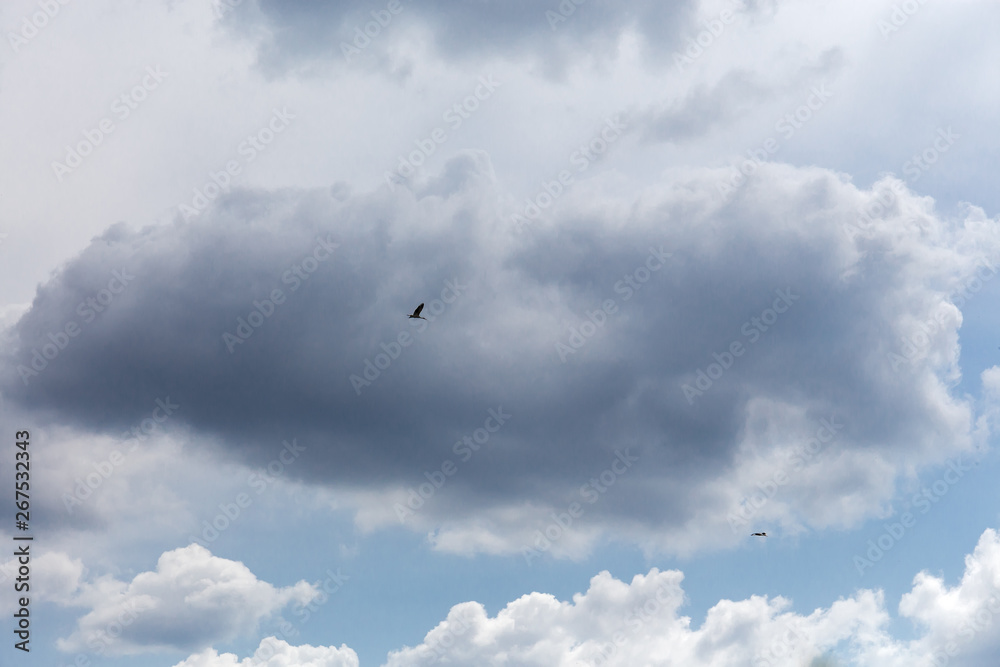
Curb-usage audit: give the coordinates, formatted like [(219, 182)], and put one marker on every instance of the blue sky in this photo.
[(692, 270)]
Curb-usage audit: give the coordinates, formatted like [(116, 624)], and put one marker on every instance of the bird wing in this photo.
[(416, 313)]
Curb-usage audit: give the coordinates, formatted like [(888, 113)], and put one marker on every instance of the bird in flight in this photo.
[(758, 535), (416, 313)]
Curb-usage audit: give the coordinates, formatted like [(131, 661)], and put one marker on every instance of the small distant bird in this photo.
[(416, 313), (758, 535)]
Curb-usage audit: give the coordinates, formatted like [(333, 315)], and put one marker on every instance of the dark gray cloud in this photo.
[(494, 345)]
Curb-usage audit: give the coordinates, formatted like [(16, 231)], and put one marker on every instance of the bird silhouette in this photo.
[(758, 535), (416, 313)]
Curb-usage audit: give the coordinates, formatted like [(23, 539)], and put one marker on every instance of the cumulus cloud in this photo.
[(963, 617), (274, 652), (55, 577), (617, 623), (191, 600), (592, 332)]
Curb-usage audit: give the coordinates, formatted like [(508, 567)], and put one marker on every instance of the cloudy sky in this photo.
[(692, 270)]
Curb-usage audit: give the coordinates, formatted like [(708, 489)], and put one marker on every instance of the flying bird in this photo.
[(416, 313), (758, 535)]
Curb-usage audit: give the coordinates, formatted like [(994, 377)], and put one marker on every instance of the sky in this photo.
[(691, 270)]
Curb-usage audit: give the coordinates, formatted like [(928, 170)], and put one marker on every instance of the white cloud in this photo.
[(966, 616), (639, 623), (615, 623), (58, 577), (274, 652), (191, 600), (700, 464)]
